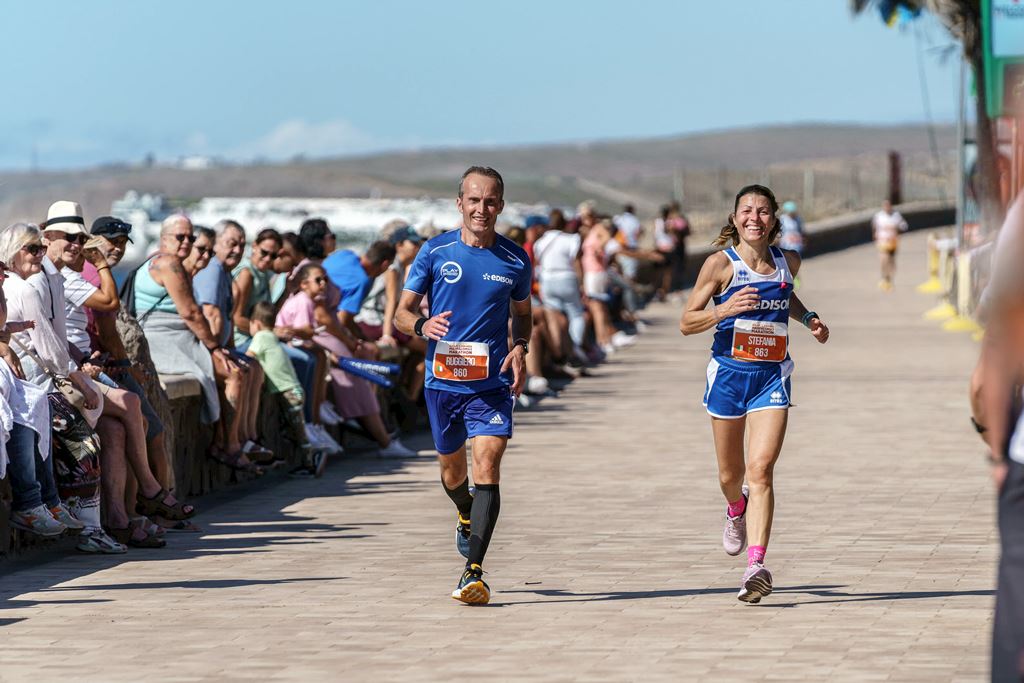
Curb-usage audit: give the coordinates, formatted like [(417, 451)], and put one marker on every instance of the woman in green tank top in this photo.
[(252, 282)]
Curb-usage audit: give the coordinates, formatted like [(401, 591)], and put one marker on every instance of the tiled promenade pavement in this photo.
[(607, 563)]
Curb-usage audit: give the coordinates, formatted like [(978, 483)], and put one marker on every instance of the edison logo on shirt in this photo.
[(451, 272), (491, 277)]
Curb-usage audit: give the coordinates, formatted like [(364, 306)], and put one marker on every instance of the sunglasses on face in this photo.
[(185, 238), (203, 251), (33, 249), (269, 254), (77, 238)]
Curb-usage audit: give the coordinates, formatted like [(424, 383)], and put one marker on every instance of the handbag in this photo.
[(72, 394)]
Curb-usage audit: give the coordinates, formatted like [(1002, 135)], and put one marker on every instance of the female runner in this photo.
[(750, 285)]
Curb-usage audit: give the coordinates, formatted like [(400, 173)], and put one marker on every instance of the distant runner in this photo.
[(886, 227), (472, 277), (751, 286)]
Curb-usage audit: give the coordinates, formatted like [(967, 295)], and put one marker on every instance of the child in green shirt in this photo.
[(282, 382)]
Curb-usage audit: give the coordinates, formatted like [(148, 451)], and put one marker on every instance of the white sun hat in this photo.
[(65, 216)]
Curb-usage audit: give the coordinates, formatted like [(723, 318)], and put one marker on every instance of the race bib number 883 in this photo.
[(759, 340)]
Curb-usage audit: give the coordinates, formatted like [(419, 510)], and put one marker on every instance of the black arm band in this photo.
[(418, 327)]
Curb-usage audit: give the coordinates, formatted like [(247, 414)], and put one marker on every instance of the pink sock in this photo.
[(755, 553), (738, 508)]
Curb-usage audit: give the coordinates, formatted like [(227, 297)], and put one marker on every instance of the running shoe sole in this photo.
[(26, 528), (473, 593), (756, 587)]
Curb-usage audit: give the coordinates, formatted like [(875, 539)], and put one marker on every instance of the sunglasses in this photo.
[(33, 249), (77, 238), (185, 238), (203, 251), (271, 254)]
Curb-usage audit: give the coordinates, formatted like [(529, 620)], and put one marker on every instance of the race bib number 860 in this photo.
[(461, 361)]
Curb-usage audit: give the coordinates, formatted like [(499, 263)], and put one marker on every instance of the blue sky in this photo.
[(93, 82)]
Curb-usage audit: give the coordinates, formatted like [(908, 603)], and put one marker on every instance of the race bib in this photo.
[(461, 361), (759, 340)]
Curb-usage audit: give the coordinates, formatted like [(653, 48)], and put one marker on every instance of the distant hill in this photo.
[(848, 162)]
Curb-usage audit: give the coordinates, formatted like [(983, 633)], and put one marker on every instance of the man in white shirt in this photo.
[(886, 227)]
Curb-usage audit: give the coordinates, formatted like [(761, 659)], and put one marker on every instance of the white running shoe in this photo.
[(38, 521), (524, 401), (608, 350), (329, 444), (757, 584), (537, 385), (734, 537), (620, 339), (396, 449), (328, 414)]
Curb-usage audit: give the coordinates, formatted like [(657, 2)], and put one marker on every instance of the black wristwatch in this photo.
[(522, 342), (418, 327)]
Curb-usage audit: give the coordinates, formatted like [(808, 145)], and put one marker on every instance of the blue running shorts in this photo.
[(737, 387), (455, 417)]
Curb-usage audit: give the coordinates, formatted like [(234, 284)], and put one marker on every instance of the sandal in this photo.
[(261, 455), (231, 460), (156, 506), (181, 526), (125, 537)]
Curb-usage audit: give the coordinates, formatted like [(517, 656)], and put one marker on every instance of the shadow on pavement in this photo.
[(248, 518), (830, 594)]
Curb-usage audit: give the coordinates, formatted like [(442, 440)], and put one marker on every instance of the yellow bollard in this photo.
[(932, 285), (944, 311), (962, 322)]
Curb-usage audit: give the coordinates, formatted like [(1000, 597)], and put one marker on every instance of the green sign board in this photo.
[(1002, 30)]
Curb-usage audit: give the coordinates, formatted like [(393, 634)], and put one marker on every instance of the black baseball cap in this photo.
[(108, 226)]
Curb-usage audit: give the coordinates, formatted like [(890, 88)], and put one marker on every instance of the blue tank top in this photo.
[(150, 296), (761, 335)]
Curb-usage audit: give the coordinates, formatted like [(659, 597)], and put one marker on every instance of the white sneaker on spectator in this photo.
[(38, 521), (608, 350), (524, 401), (328, 442), (396, 449), (328, 414), (64, 516), (97, 541), (620, 339), (537, 385)]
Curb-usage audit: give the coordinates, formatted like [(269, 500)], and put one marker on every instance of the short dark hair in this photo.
[(305, 270), (484, 171), (203, 231), (293, 241), (380, 251), (263, 312), (312, 234), (268, 234)]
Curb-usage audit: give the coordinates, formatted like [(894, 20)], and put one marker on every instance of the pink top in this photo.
[(594, 258)]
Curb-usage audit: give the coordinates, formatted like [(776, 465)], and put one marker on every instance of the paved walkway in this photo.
[(607, 562)]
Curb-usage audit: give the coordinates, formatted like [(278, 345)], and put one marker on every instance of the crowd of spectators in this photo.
[(83, 420)]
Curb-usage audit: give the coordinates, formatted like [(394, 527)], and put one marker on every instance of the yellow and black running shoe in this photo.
[(472, 589)]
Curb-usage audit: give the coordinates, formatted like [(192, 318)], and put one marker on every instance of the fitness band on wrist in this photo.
[(808, 317), (418, 327)]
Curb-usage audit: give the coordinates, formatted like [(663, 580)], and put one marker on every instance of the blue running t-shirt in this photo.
[(476, 285)]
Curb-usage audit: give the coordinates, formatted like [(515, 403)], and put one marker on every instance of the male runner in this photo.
[(470, 276)]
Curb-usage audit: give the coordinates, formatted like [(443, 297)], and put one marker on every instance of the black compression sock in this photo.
[(486, 504), (461, 497)]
